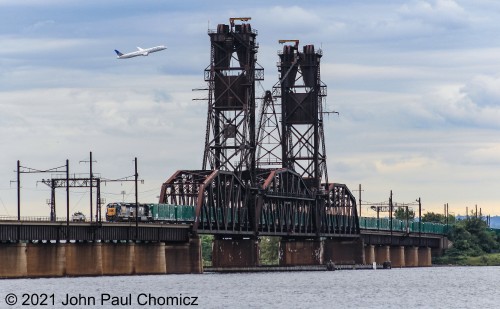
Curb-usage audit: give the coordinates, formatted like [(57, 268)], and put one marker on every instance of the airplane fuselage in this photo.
[(140, 52)]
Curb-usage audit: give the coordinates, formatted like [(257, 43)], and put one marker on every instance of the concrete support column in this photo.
[(424, 257), (382, 254), (13, 260), (184, 258), (83, 259), (370, 254), (411, 256), (344, 251), (300, 252), (46, 260), (235, 253), (149, 258), (398, 256), (118, 258)]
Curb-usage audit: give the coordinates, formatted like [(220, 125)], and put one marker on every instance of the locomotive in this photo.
[(119, 212), (125, 212)]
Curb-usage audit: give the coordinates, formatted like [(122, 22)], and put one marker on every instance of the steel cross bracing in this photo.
[(55, 183), (239, 190), (301, 92), (268, 134), (231, 75)]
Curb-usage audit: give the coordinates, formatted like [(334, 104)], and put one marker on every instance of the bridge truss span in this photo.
[(339, 214), (220, 199), (266, 182)]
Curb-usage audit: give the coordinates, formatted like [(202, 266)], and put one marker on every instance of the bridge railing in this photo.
[(370, 223), (34, 218)]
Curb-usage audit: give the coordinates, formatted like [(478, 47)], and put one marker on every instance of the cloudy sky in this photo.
[(416, 83)]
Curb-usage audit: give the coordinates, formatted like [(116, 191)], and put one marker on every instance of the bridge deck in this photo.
[(84, 231)]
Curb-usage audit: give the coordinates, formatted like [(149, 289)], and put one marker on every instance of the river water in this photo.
[(433, 287)]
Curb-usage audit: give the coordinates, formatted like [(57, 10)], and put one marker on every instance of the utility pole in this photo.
[(359, 190), (18, 191), (91, 182), (360, 200), (390, 214), (29, 170), (67, 197), (419, 221), (447, 216), (136, 202), (91, 177)]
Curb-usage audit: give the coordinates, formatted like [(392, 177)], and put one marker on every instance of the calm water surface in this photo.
[(436, 287)]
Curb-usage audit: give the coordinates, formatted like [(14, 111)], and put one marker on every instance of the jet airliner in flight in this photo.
[(140, 52)]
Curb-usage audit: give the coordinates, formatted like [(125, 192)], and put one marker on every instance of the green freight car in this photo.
[(168, 212)]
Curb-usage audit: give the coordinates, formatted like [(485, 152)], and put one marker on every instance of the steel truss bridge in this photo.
[(269, 179)]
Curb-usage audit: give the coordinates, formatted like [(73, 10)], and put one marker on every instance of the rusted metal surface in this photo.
[(239, 191)]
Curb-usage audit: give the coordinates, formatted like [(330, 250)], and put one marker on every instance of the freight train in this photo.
[(149, 212)]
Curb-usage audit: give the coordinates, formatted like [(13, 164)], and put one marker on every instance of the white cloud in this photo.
[(441, 13), (483, 91), (475, 103)]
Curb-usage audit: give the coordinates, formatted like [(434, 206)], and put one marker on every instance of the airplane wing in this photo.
[(140, 49)]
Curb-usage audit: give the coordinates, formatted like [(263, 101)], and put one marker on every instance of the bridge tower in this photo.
[(302, 92), (231, 76)]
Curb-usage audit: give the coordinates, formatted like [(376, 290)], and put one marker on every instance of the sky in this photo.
[(416, 84)]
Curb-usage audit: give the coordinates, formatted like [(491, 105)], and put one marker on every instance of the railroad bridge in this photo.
[(260, 176)]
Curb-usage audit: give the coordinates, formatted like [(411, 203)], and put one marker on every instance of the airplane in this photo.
[(140, 52)]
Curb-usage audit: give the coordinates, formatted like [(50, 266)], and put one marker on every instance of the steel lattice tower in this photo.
[(302, 91), (231, 76)]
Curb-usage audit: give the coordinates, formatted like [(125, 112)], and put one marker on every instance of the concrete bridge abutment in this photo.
[(235, 253)]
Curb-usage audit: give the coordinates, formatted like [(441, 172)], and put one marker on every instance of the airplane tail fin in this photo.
[(118, 53)]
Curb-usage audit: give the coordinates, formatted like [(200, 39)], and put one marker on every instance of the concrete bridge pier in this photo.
[(235, 252), (45, 259), (83, 259), (293, 252), (382, 254), (344, 251), (149, 258), (424, 256), (370, 256), (118, 258), (411, 256), (184, 258), (13, 260), (398, 256)]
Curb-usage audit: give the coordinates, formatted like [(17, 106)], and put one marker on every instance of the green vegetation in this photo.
[(269, 247), (474, 243), (206, 249), (404, 214), (438, 218)]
